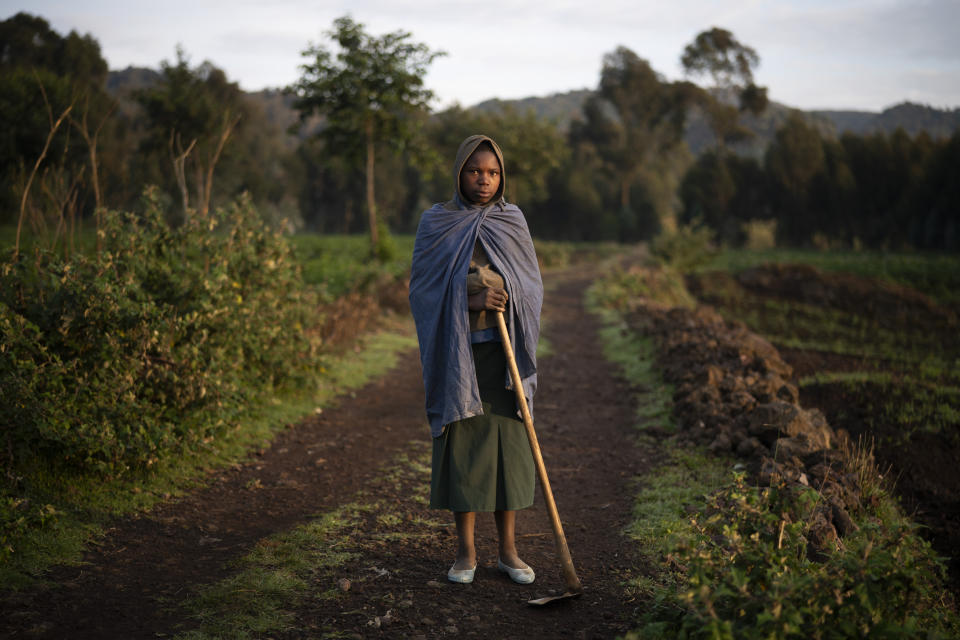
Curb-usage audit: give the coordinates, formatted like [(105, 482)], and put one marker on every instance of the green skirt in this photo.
[(484, 463)]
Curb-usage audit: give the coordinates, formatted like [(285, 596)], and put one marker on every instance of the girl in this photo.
[(474, 257)]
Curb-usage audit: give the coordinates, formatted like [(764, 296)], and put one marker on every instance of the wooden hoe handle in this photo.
[(570, 579)]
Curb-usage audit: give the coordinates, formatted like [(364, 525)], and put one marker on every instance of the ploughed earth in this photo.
[(881, 361), (373, 449)]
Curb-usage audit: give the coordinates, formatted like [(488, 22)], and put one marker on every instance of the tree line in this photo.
[(885, 191), (368, 155)]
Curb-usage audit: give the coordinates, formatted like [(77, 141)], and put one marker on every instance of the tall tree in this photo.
[(729, 64), (793, 160), (190, 115), (42, 72), (367, 89), (634, 121)]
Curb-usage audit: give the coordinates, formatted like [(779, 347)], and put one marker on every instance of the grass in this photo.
[(289, 570), (340, 263), (85, 504), (807, 326), (908, 377), (896, 408), (935, 274), (276, 577)]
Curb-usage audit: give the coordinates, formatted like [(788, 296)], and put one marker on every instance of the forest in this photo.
[(622, 167)]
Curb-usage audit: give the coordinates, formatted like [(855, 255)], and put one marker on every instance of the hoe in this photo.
[(572, 583)]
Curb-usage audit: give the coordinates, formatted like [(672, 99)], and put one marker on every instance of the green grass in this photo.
[(85, 504), (289, 570), (661, 520), (935, 274), (808, 326), (340, 262), (279, 575), (895, 408)]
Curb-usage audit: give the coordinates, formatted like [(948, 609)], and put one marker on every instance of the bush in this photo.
[(622, 289), (153, 345), (685, 249), (750, 575)]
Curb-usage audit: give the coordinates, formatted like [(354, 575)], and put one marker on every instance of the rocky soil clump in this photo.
[(735, 394)]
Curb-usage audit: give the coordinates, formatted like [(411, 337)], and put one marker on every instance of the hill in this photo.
[(911, 117), (562, 108)]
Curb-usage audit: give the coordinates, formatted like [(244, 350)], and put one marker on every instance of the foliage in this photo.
[(878, 191), (730, 63), (633, 122), (367, 92), (113, 362), (721, 56), (686, 248), (750, 576), (622, 289), (42, 74), (337, 264), (759, 234)]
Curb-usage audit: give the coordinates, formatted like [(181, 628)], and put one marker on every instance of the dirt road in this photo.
[(134, 583)]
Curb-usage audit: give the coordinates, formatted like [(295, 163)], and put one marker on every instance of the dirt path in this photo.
[(132, 583)]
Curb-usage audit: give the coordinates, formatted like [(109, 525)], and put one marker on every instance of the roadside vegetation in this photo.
[(128, 372)]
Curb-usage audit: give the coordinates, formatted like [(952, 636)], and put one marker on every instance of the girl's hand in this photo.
[(491, 299)]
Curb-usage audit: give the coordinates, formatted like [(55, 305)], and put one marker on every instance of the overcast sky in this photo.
[(839, 54)]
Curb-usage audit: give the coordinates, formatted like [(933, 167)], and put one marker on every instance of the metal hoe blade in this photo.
[(539, 602)]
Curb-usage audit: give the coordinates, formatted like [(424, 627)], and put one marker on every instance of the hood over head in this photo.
[(467, 147)]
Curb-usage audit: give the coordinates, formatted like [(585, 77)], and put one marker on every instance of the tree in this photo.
[(793, 161), (729, 63), (191, 114), (42, 72), (634, 121), (367, 89)]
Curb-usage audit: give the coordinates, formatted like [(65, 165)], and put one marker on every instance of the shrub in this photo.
[(685, 249), (622, 289), (750, 574), (113, 361), (759, 235)]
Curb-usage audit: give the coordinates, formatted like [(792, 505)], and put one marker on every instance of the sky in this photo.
[(814, 54)]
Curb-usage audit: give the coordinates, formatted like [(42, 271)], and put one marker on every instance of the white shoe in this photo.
[(462, 576), (524, 575)]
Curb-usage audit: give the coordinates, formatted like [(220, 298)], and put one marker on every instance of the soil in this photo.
[(922, 471), (133, 583), (921, 466)]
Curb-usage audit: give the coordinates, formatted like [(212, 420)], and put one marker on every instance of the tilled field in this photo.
[(880, 361)]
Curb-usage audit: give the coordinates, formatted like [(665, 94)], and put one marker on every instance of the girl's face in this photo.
[(480, 177)]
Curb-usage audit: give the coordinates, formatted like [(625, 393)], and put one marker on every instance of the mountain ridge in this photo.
[(565, 106)]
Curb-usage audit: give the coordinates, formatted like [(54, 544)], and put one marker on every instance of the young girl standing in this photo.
[(474, 257)]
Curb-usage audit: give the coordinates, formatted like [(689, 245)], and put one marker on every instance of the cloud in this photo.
[(861, 53)]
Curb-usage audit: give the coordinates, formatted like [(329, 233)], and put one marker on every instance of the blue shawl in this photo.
[(438, 299)]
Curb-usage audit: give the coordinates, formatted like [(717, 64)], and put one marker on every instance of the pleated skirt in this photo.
[(484, 463)]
